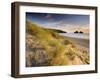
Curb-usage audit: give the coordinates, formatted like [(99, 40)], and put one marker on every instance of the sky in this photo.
[(65, 22)]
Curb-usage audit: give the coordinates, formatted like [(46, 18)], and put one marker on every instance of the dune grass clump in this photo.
[(66, 42)]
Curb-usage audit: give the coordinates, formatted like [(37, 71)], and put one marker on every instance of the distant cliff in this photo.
[(58, 31)]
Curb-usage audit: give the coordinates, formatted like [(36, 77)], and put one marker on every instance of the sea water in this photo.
[(76, 35)]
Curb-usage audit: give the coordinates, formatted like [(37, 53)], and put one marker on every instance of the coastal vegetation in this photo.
[(45, 47)]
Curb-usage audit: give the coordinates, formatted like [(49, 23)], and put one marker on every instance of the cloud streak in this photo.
[(65, 22)]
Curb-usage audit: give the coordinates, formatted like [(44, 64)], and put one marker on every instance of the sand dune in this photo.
[(47, 48)]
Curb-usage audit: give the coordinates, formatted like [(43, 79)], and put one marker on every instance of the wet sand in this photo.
[(79, 42)]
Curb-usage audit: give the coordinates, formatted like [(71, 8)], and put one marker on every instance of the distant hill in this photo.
[(45, 47), (58, 31)]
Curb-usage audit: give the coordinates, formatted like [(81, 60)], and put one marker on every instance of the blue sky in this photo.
[(66, 22)]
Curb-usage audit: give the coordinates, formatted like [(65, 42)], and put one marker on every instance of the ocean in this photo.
[(76, 35)]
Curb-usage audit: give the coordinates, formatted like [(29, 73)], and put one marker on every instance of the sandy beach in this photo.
[(82, 46), (79, 42)]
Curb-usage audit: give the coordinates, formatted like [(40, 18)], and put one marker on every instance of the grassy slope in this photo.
[(44, 47)]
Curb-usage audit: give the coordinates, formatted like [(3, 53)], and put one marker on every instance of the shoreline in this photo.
[(79, 42)]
